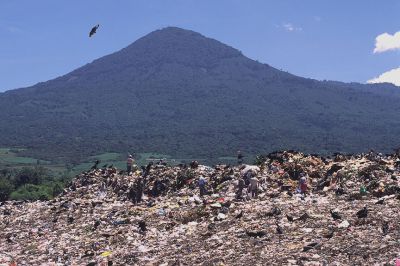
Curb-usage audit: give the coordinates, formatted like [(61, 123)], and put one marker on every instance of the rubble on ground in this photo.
[(350, 215)]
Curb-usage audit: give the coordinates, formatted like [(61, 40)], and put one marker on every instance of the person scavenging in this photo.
[(240, 157), (96, 164), (241, 186), (253, 186), (129, 162), (202, 185), (303, 187)]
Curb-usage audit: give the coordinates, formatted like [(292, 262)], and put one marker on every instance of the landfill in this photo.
[(349, 214)]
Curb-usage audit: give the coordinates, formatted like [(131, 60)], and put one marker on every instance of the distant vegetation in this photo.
[(29, 183), (176, 92), (23, 178)]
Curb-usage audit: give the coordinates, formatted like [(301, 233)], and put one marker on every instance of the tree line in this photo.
[(29, 183)]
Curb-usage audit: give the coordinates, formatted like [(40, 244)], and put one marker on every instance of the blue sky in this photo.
[(321, 39)]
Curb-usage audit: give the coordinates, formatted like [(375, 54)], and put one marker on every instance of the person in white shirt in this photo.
[(253, 187)]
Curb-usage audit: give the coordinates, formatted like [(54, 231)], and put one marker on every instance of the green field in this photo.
[(47, 179), (118, 160), (227, 158), (107, 157), (9, 158)]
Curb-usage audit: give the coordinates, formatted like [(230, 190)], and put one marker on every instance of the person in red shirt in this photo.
[(303, 184)]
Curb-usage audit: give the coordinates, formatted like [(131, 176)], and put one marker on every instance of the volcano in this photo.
[(178, 92)]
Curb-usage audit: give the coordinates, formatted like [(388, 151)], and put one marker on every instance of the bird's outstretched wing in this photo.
[(93, 30)]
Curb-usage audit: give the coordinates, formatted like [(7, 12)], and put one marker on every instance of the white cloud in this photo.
[(317, 18), (386, 42), (290, 27), (391, 76), (11, 29)]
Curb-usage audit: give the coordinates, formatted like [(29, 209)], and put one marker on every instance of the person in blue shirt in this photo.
[(202, 185)]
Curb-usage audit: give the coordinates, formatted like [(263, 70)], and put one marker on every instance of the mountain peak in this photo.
[(177, 33), (175, 30), (177, 44), (170, 45)]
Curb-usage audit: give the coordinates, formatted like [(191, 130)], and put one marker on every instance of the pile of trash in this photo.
[(302, 210)]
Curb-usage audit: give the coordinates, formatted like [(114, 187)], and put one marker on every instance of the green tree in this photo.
[(57, 189), (5, 189), (32, 192), (29, 175)]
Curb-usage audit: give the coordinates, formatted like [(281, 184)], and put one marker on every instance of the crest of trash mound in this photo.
[(350, 215)]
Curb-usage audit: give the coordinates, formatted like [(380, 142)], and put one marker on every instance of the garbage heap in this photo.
[(349, 215)]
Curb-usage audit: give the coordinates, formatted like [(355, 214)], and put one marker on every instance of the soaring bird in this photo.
[(93, 30), (335, 215), (362, 213)]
